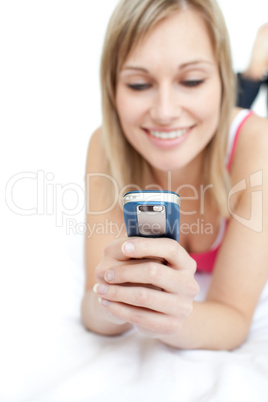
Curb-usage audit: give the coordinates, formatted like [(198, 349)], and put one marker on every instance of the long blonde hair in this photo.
[(130, 22)]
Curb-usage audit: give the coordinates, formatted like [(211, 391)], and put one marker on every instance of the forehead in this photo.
[(183, 35)]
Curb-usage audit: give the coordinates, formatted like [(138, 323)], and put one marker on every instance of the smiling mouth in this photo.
[(170, 135)]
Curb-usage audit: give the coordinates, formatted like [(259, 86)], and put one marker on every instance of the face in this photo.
[(169, 92)]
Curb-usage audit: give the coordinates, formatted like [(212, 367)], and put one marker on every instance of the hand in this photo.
[(147, 282)]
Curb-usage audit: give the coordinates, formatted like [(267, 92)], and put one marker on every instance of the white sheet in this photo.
[(47, 356), (132, 367)]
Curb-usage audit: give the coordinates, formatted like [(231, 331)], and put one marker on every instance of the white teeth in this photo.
[(170, 135)]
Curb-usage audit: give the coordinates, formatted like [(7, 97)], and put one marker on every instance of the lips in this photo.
[(168, 138)]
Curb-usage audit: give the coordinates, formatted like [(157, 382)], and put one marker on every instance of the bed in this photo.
[(45, 353)]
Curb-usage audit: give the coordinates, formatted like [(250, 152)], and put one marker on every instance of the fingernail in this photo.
[(101, 289), (95, 288), (109, 275), (104, 302), (128, 247)]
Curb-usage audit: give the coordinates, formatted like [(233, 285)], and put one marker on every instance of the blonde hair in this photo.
[(130, 22)]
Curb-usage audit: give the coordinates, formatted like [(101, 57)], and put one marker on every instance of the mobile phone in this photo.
[(152, 213)]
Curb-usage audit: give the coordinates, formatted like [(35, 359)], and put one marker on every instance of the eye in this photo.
[(192, 83), (138, 87)]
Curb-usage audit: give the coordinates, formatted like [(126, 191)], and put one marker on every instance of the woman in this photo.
[(169, 122)]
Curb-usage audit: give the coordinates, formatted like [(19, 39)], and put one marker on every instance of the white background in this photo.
[(49, 106)]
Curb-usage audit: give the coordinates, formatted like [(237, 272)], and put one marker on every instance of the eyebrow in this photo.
[(180, 67), (136, 68), (195, 62)]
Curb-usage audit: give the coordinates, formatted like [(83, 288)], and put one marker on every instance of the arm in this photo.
[(102, 229), (241, 270), (222, 321)]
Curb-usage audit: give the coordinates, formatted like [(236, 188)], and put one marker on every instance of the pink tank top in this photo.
[(205, 261)]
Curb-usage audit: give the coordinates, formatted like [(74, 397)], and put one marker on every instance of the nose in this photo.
[(166, 105)]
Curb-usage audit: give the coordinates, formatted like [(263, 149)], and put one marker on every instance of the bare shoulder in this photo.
[(252, 147), (255, 130), (97, 179), (96, 157)]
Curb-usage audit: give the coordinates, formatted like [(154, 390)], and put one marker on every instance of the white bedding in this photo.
[(47, 356)]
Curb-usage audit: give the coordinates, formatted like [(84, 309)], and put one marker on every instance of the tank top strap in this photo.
[(234, 132)]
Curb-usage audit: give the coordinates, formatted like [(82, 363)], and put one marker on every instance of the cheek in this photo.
[(123, 105), (208, 107), (214, 95), (130, 109)]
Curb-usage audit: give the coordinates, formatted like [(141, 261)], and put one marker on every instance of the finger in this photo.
[(147, 298), (149, 320), (114, 250), (168, 249), (153, 273)]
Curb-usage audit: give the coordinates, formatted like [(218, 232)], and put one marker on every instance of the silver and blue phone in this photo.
[(152, 213)]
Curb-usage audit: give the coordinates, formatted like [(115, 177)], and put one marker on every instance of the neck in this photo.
[(187, 176)]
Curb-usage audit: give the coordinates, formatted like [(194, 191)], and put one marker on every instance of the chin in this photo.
[(166, 166)]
